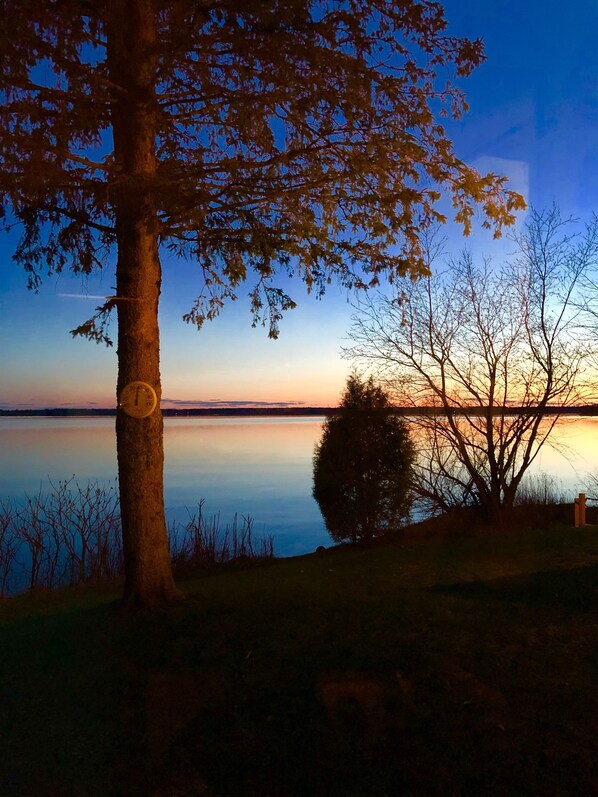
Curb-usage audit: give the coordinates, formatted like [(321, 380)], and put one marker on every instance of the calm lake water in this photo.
[(260, 467)]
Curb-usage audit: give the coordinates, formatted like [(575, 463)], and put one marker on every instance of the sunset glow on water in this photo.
[(261, 467)]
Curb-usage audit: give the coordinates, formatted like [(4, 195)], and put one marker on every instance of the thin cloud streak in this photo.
[(230, 403), (80, 296)]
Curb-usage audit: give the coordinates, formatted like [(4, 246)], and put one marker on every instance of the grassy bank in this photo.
[(436, 667)]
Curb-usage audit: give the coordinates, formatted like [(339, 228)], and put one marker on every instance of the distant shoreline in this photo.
[(284, 412)]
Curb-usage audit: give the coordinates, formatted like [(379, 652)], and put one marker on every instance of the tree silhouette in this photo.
[(362, 465), (254, 138), (497, 351)]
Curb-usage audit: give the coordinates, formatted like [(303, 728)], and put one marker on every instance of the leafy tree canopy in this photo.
[(256, 138), (300, 135)]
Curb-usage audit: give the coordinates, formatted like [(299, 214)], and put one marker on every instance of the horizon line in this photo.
[(295, 410)]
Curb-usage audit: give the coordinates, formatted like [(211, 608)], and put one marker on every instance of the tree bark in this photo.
[(139, 441)]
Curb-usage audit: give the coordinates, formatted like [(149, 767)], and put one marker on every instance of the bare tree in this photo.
[(588, 298), (494, 355)]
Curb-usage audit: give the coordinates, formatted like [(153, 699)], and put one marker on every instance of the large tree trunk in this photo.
[(131, 34)]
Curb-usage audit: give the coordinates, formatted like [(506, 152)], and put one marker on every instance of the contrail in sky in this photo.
[(81, 296)]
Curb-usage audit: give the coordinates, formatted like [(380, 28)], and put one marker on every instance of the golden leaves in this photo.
[(299, 137)]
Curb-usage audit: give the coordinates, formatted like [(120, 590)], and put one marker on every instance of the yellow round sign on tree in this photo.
[(138, 399)]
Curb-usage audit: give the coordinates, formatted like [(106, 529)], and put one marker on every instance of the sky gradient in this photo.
[(533, 117)]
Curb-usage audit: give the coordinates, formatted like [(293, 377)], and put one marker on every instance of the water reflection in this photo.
[(571, 454), (253, 466), (33, 450), (257, 467), (250, 466)]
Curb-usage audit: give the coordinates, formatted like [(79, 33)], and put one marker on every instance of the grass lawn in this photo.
[(462, 666)]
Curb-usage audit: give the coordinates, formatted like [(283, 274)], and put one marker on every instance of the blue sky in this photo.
[(533, 116)]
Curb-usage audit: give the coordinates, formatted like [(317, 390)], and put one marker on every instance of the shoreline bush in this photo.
[(71, 535), (363, 465)]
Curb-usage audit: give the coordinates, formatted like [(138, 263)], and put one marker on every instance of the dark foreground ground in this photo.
[(454, 666)]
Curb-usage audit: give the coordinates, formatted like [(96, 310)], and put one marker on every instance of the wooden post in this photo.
[(580, 510)]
